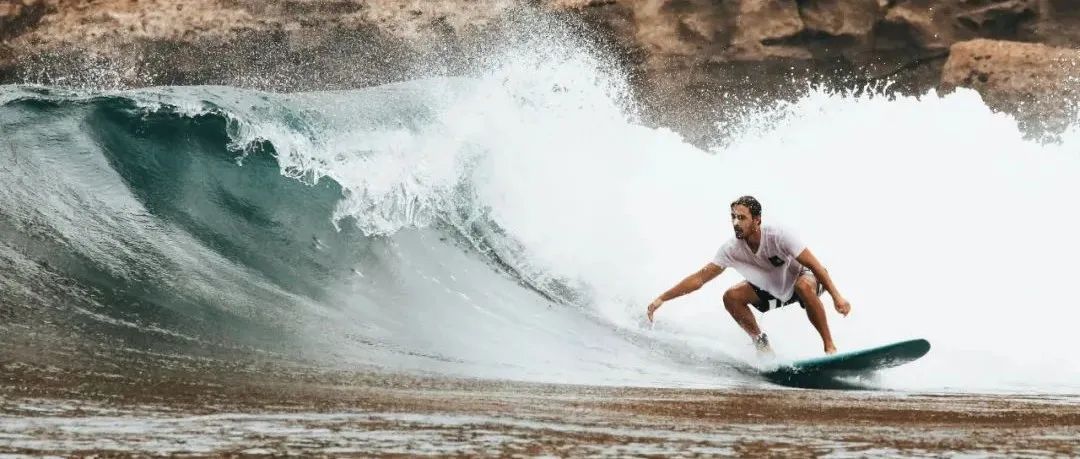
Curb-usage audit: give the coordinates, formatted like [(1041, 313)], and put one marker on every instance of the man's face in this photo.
[(744, 224)]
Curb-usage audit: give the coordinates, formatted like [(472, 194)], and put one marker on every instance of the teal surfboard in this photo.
[(823, 371)]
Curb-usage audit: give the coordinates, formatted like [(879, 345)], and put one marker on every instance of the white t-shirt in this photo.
[(773, 268)]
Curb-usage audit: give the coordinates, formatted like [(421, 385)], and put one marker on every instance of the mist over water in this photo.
[(939, 220), (515, 223)]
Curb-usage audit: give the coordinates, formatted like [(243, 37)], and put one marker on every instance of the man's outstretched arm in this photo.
[(806, 258), (691, 283)]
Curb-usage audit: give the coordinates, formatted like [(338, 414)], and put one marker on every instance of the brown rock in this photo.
[(925, 22), (840, 17), (1010, 68), (678, 28), (1001, 18), (1058, 24), (16, 16), (761, 23), (761, 20), (1028, 79)]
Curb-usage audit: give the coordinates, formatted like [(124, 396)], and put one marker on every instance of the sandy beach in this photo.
[(54, 413)]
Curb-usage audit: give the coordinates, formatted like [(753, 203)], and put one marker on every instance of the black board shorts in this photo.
[(768, 302)]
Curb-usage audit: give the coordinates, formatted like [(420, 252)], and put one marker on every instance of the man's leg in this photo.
[(807, 291), (737, 300)]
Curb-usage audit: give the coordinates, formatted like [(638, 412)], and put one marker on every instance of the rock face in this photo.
[(18, 15), (758, 23), (1011, 68), (1035, 81), (854, 18), (275, 45), (688, 57), (763, 29), (696, 51)]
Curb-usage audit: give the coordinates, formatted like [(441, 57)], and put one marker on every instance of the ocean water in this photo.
[(514, 224)]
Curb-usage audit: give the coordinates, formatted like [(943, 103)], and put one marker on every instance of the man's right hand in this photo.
[(654, 306), (842, 306), (691, 283)]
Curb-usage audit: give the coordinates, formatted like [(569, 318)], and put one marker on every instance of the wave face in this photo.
[(515, 224), (338, 230)]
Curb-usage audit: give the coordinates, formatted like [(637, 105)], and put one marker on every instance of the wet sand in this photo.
[(273, 411)]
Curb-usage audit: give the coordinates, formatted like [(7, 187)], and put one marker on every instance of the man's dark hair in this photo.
[(750, 202)]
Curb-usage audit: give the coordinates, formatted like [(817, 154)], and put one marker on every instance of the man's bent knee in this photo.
[(734, 299), (806, 287), (738, 297), (731, 296)]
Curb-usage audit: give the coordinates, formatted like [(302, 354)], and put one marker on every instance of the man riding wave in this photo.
[(779, 270)]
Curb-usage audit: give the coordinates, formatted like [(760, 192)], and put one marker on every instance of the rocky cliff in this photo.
[(687, 58), (699, 52)]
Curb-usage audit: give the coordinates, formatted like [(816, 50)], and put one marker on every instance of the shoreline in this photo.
[(385, 414)]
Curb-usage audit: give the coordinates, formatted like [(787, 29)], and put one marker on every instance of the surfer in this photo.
[(778, 270)]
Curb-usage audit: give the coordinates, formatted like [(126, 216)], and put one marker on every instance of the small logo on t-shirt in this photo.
[(776, 261)]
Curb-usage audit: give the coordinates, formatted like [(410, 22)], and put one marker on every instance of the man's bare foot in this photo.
[(761, 343), (830, 349)]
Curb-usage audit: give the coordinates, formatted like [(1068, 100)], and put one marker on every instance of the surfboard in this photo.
[(823, 371)]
